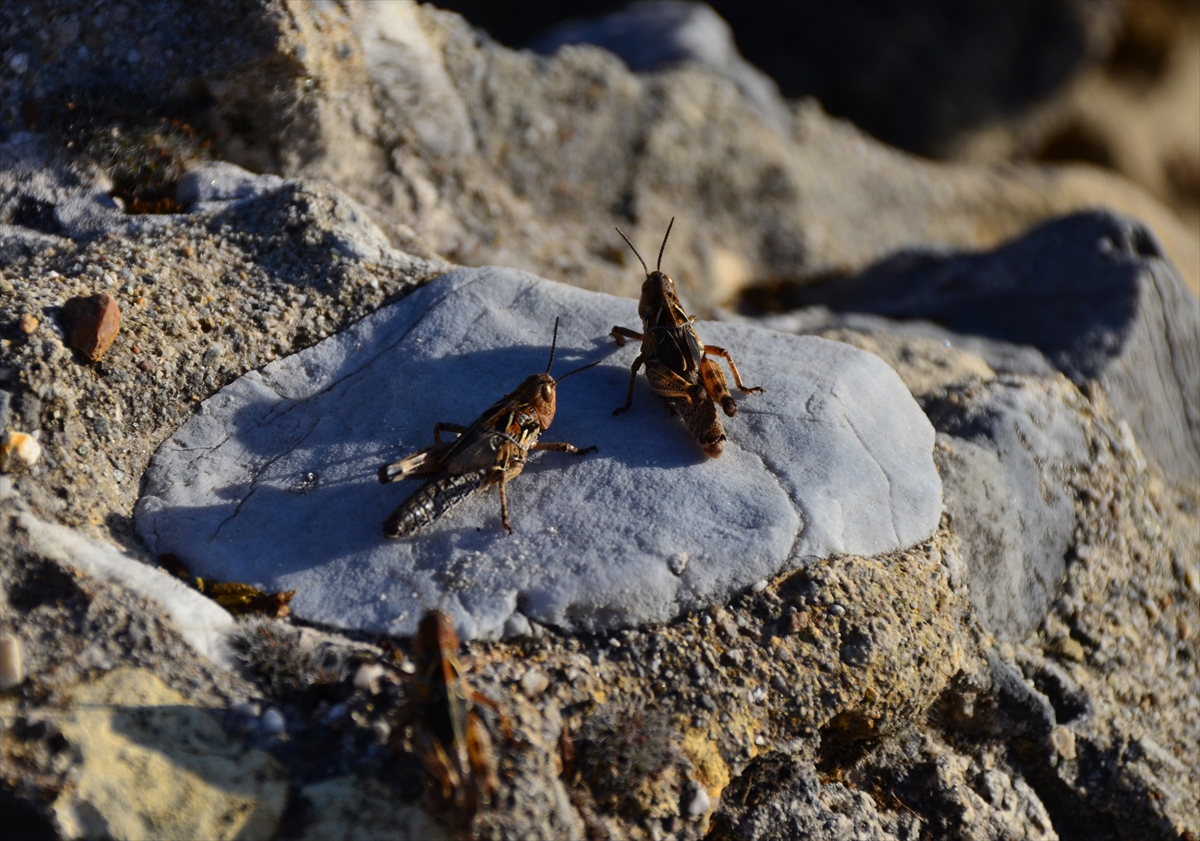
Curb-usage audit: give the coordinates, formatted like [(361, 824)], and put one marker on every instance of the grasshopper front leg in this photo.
[(637, 363), (563, 447), (620, 334), (504, 505)]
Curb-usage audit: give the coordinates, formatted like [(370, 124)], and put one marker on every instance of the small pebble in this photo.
[(699, 802), (272, 723), (18, 451), (381, 731), (1063, 741), (12, 666), (246, 709), (797, 622), (735, 657), (677, 563), (336, 713), (758, 586), (778, 683), (367, 677), (29, 323), (728, 628), (91, 323), (707, 702), (1066, 647), (837, 610), (534, 683)]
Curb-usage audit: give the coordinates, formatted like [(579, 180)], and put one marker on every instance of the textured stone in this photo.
[(1007, 450), (833, 457), (154, 766), (356, 809), (200, 621), (1093, 292), (654, 35)]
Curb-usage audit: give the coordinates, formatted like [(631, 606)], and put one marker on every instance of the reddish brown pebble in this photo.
[(92, 323), (29, 323), (797, 622)]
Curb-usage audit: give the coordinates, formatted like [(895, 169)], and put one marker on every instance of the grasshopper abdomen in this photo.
[(432, 500)]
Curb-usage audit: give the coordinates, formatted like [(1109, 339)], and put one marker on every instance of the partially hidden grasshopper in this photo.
[(449, 736), (491, 451), (678, 364)]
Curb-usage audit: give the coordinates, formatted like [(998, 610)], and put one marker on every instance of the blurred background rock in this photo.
[(1106, 82)]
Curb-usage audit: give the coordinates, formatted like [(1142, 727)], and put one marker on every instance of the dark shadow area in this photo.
[(1069, 288), (23, 821)]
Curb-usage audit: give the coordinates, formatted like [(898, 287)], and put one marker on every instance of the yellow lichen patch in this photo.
[(710, 768), (155, 766)]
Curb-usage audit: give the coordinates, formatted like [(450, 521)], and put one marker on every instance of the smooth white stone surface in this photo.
[(835, 456)]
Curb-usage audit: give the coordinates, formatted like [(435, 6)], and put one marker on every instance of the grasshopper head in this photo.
[(540, 391), (658, 292)]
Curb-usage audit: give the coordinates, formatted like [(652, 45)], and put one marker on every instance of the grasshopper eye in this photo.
[(547, 392)]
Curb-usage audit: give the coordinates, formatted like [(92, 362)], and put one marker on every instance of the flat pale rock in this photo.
[(273, 482)]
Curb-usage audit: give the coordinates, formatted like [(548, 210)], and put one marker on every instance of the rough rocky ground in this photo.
[(860, 697)]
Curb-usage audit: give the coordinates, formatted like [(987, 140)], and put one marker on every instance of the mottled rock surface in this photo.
[(1007, 451), (833, 456), (153, 765), (874, 670)]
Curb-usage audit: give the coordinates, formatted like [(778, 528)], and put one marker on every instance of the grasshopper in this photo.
[(491, 451), (449, 736), (678, 364)]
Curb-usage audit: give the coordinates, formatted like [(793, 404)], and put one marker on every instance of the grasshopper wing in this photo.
[(479, 453), (425, 462)]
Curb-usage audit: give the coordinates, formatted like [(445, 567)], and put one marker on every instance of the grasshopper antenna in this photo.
[(658, 268), (553, 345), (635, 253), (577, 370)]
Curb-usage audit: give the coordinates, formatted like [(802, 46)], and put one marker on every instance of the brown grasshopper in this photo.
[(677, 362), (491, 451), (449, 736)]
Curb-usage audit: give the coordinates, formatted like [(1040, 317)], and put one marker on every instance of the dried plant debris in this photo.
[(243, 600), (289, 664), (239, 599), (624, 749), (144, 163)]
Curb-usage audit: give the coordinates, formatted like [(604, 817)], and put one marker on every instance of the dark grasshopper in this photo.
[(678, 364), (491, 451), (448, 735)]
